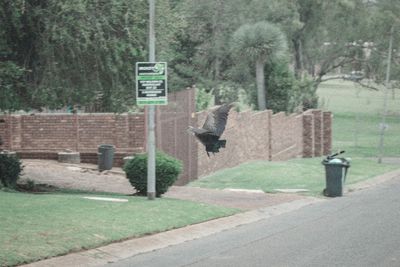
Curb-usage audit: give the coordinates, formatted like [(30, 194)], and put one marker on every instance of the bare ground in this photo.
[(87, 177)]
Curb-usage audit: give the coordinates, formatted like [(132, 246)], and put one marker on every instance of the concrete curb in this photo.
[(372, 182), (121, 250)]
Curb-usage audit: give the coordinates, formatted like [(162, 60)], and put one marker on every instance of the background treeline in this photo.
[(59, 53)]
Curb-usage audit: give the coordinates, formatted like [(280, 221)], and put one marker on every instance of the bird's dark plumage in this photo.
[(213, 128)]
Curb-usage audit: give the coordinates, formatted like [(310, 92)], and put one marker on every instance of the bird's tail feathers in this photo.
[(222, 143), (215, 147)]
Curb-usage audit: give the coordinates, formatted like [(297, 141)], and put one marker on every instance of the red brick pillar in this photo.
[(15, 132), (76, 129), (327, 132), (308, 135), (4, 131), (270, 135), (317, 132)]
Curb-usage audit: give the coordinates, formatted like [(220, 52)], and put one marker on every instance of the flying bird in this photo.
[(212, 129)]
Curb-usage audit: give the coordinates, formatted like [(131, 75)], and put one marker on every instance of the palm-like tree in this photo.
[(259, 43)]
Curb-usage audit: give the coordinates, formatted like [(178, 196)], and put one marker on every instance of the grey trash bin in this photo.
[(105, 157), (335, 175)]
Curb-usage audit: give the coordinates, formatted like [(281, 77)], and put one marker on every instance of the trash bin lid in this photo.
[(106, 146), (334, 161)]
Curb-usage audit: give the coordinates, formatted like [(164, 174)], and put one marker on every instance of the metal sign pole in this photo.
[(385, 99), (151, 149)]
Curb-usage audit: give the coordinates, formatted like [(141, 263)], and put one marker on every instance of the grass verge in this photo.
[(292, 174), (38, 226)]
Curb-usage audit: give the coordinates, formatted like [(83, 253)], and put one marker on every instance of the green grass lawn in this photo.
[(357, 116), (37, 226), (293, 174)]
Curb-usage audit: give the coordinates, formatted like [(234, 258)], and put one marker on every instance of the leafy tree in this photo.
[(88, 50), (385, 22), (80, 52), (203, 19), (209, 26), (282, 80), (12, 85), (18, 52), (83, 52), (169, 48), (259, 43)]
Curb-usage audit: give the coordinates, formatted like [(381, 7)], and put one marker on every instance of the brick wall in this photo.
[(250, 135), (308, 135), (266, 136), (286, 141), (43, 135), (247, 138)]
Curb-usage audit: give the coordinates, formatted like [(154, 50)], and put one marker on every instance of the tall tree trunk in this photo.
[(218, 46), (217, 36), (298, 57), (217, 65), (261, 95)]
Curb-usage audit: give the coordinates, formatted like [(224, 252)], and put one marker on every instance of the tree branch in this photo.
[(367, 86), (332, 78)]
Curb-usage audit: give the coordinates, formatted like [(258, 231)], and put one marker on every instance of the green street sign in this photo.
[(151, 83)]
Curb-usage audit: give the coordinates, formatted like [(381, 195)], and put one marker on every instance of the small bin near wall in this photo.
[(105, 157)]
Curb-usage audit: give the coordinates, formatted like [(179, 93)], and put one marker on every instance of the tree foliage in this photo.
[(10, 170), (259, 43), (55, 53), (80, 52), (88, 50)]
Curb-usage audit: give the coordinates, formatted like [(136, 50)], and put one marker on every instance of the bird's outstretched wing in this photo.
[(197, 131), (216, 120)]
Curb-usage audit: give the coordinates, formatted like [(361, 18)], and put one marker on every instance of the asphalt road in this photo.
[(359, 229)]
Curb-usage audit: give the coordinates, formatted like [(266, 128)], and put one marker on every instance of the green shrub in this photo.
[(10, 170), (167, 171)]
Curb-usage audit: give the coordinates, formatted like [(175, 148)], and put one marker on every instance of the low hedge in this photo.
[(10, 170), (167, 171)]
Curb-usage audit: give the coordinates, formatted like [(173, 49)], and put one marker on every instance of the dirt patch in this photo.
[(31, 187), (86, 177), (76, 176)]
